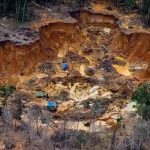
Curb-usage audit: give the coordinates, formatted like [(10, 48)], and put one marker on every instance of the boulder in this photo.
[(24, 91), (64, 107), (2, 146), (105, 117), (89, 71), (135, 68), (78, 106), (112, 122), (87, 51)]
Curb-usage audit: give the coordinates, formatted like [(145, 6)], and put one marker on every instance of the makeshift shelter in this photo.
[(64, 66), (39, 95), (52, 106)]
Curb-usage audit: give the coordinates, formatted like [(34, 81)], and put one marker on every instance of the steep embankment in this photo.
[(56, 39), (134, 45)]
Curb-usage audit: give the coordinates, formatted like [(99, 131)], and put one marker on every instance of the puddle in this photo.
[(119, 58), (123, 70)]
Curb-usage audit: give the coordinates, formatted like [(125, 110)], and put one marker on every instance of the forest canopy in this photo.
[(18, 9)]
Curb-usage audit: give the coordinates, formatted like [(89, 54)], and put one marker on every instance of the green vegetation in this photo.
[(87, 124), (5, 92), (142, 98), (15, 8), (143, 7), (119, 119), (18, 9), (81, 140), (131, 4), (12, 88), (87, 105)]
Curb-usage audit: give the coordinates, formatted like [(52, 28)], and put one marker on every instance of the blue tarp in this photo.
[(39, 94), (51, 104), (64, 66)]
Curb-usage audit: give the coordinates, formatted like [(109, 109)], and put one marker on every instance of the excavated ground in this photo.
[(89, 39)]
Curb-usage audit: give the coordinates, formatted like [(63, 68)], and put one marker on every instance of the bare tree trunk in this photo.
[(149, 17), (37, 127), (15, 124), (113, 141), (6, 130), (29, 134), (4, 9), (24, 11), (46, 136), (18, 13)]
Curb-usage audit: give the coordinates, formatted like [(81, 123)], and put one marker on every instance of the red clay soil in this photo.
[(17, 58)]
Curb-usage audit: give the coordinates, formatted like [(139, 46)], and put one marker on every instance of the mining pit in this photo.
[(101, 57)]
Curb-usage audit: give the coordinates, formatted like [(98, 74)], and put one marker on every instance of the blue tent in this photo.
[(64, 66), (52, 104)]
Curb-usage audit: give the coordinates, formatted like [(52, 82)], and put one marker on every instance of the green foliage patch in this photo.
[(142, 98)]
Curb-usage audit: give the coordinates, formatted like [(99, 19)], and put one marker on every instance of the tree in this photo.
[(36, 113), (12, 88), (145, 11), (46, 118), (7, 116), (131, 4), (18, 9), (5, 92), (17, 110), (17, 103), (142, 98)]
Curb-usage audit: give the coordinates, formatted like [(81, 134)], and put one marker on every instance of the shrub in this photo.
[(142, 98), (87, 124), (131, 4), (12, 88), (87, 105)]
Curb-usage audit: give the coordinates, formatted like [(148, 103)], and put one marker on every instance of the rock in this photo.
[(111, 122), (87, 51), (135, 68), (102, 79), (79, 106), (100, 123), (64, 107), (50, 10), (63, 95), (105, 117), (89, 71), (19, 86), (109, 8), (115, 116), (2, 146), (106, 65), (113, 108), (73, 57), (39, 88), (23, 91), (6, 35)]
